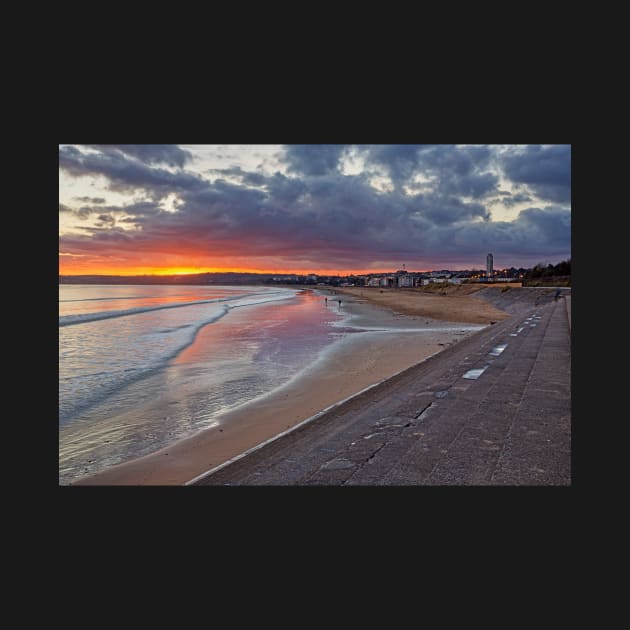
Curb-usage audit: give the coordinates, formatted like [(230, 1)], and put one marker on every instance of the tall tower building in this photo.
[(489, 270)]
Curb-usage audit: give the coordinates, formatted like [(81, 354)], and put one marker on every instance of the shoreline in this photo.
[(378, 344)]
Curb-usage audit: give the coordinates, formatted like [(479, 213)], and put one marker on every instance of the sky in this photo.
[(315, 208)]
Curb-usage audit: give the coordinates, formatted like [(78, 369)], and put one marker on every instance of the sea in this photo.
[(141, 366)]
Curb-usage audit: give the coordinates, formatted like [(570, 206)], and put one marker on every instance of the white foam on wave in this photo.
[(271, 298), (83, 318)]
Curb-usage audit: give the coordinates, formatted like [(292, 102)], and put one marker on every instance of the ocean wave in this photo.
[(102, 384), (119, 297), (83, 318)]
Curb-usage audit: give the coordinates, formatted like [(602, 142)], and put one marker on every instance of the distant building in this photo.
[(426, 281), (489, 261)]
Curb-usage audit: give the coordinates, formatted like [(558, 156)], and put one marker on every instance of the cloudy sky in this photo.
[(134, 209)]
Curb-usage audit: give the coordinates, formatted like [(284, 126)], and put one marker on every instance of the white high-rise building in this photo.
[(489, 270)]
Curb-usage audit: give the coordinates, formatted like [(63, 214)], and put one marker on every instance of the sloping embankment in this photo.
[(518, 299)]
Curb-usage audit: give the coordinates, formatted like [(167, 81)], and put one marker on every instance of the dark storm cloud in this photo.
[(457, 170), (545, 170), (105, 220), (552, 224), (469, 185), (136, 211), (513, 200), (93, 200), (509, 200), (441, 210), (398, 160), (236, 172), (313, 159), (125, 174), (81, 213), (169, 154), (319, 214)]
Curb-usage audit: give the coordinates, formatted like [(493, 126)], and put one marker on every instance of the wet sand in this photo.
[(377, 343), (458, 304)]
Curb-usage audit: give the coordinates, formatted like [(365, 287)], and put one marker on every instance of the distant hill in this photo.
[(197, 278)]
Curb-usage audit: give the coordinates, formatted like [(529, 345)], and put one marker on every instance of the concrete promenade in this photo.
[(493, 409)]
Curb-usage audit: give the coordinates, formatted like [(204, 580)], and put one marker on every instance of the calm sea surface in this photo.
[(141, 366)]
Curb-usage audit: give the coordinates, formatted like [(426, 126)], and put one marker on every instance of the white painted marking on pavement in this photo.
[(475, 374), (497, 350)]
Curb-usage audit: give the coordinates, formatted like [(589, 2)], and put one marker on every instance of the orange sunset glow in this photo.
[(80, 267)]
